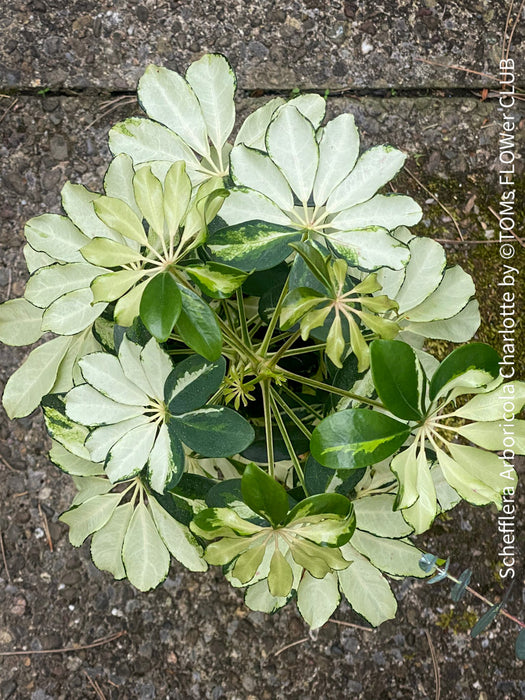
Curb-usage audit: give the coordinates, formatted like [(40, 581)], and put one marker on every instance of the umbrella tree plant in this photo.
[(237, 373)]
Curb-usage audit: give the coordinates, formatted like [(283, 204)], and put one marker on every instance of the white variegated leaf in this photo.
[(72, 312), (90, 516), (373, 170), (145, 556), (338, 151), (253, 169), (35, 378), (213, 82), (169, 99), (128, 455), (387, 211), (56, 236), (317, 598), (20, 322), (178, 538), (107, 543), (291, 144)]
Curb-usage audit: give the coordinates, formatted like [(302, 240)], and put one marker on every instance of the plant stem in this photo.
[(326, 387), (284, 347), (242, 318), (300, 401), (265, 388), (480, 597), (273, 321), (288, 443), (244, 352), (289, 412), (303, 351)]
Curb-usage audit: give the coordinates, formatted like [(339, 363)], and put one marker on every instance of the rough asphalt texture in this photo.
[(193, 638)]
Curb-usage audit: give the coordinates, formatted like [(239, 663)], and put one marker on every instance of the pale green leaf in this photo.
[(90, 516), (251, 168), (290, 141), (150, 198), (119, 216), (49, 283), (396, 557), (146, 141), (157, 366), (145, 556), (311, 106), (113, 285), (165, 460), (457, 329), (376, 514), (71, 463), (213, 82), (491, 435), (170, 100), (253, 129), (490, 406), (107, 543), (87, 406), (77, 201), (20, 322), (386, 211), (424, 273), (89, 487), (104, 372), (128, 456), (127, 307), (366, 589), (177, 195), (72, 312), (56, 236), (373, 170), (35, 378), (259, 598), (178, 538), (244, 204), (35, 260), (118, 180), (102, 439), (129, 355), (370, 248), (338, 151), (450, 297), (317, 599), (108, 253)]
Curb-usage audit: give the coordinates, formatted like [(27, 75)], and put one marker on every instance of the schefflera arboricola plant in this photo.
[(238, 376)]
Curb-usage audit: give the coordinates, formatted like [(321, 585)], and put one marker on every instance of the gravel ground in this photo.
[(193, 637)]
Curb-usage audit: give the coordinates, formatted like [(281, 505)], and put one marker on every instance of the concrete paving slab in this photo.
[(312, 44)]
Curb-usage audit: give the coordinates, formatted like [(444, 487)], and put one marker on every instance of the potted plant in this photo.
[(237, 373)]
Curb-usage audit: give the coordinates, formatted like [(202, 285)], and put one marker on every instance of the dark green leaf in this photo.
[(351, 477), (257, 450), (198, 327), (160, 305), (458, 589), (192, 382), (215, 431), (193, 486), (321, 504), (259, 282), (397, 375), (253, 245), (177, 507), (137, 332), (485, 620), (520, 645), (263, 494), (356, 438), (316, 476), (316, 261), (224, 493), (473, 356)]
